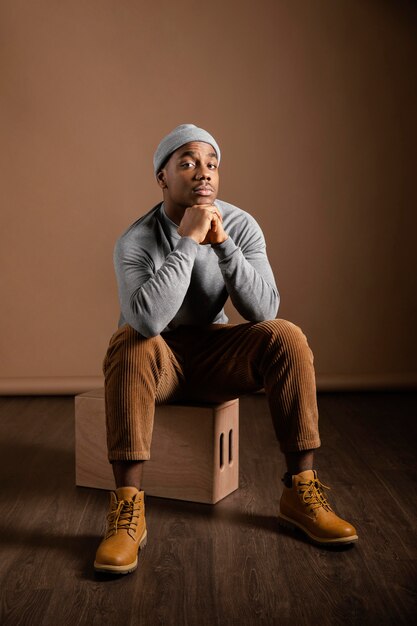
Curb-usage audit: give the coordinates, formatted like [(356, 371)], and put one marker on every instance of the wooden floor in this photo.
[(227, 564)]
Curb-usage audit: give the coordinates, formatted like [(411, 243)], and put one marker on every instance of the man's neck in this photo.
[(175, 213)]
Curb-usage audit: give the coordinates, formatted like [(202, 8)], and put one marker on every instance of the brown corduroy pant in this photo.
[(209, 364)]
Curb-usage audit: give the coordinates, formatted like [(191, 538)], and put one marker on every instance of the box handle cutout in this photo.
[(221, 450)]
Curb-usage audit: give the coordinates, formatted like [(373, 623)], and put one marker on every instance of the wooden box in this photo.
[(194, 453)]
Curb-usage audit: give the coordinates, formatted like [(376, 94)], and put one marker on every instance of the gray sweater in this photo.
[(166, 281)]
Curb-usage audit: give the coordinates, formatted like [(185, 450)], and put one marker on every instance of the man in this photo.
[(176, 266)]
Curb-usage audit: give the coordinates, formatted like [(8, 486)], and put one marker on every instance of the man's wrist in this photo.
[(187, 244), (219, 243), (225, 249)]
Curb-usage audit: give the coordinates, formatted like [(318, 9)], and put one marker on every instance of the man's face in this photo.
[(190, 176)]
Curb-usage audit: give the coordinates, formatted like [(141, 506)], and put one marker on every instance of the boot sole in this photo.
[(122, 569), (286, 522)]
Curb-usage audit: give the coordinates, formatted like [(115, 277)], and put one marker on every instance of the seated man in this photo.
[(176, 266)]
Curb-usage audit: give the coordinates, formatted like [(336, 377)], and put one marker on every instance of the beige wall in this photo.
[(314, 105)]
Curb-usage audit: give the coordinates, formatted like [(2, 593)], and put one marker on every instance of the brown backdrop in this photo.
[(314, 105)]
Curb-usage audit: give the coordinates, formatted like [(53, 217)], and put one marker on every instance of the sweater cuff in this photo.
[(187, 246), (225, 249)]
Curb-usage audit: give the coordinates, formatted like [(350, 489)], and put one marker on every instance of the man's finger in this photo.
[(208, 207)]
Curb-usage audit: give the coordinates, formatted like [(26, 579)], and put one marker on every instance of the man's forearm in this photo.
[(149, 303), (250, 284)]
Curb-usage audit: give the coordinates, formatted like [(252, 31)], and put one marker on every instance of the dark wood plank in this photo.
[(223, 564)]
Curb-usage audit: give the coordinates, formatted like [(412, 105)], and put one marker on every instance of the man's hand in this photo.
[(216, 234), (203, 223)]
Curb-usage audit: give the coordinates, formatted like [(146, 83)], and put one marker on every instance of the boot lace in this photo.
[(124, 517), (313, 494)]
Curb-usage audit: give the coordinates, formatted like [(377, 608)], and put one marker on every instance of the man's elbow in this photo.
[(270, 310), (147, 327), (152, 331), (276, 303)]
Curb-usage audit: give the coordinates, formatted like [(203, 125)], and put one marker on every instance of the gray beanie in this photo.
[(177, 138)]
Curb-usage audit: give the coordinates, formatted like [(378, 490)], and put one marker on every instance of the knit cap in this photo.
[(178, 137)]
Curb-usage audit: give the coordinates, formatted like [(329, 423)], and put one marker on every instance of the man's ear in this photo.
[(160, 177)]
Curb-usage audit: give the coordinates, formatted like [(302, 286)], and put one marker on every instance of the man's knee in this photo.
[(130, 348), (284, 335)]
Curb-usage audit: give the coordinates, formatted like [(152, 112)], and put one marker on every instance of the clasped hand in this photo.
[(203, 223)]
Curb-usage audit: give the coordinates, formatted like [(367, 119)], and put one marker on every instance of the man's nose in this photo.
[(202, 174)]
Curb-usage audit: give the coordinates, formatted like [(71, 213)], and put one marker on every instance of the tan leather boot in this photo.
[(126, 532), (304, 505)]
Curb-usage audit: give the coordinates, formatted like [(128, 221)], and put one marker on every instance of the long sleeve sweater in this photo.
[(166, 281)]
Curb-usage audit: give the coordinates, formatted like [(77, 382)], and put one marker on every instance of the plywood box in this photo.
[(194, 453)]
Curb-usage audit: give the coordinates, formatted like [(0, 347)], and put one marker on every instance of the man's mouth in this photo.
[(203, 190)]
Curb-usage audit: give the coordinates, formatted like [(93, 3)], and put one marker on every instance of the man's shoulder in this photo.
[(143, 225), (142, 232), (227, 208), (142, 238), (236, 218)]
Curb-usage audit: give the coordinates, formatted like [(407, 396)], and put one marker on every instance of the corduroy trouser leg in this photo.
[(209, 364)]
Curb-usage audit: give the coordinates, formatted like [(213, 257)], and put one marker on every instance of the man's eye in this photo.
[(187, 165), (212, 166)]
